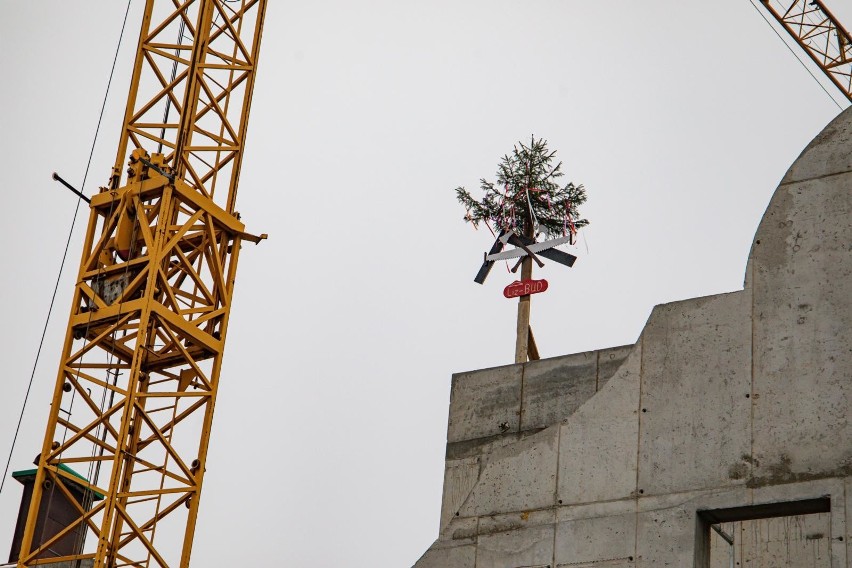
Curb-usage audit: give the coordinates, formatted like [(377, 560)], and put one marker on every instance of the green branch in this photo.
[(526, 191)]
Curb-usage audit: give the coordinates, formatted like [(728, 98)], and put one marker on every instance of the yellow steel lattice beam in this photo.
[(139, 372), (820, 34)]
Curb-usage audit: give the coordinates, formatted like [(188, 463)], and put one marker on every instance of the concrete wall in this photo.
[(605, 459), (493, 408), (800, 541)]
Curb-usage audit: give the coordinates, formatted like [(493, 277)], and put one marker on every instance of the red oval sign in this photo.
[(524, 288)]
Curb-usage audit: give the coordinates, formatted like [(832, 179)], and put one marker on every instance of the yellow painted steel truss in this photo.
[(136, 388), (821, 35)]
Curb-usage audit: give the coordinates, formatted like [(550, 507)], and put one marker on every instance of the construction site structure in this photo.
[(628, 472), (126, 442), (820, 35), (721, 438)]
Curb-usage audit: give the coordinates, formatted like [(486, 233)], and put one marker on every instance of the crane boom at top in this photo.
[(820, 34), (133, 402)]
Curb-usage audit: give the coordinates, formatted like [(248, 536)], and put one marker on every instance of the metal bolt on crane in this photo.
[(139, 371)]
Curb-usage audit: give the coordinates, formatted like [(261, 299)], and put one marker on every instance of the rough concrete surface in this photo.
[(730, 411), (519, 477), (598, 443), (694, 418)]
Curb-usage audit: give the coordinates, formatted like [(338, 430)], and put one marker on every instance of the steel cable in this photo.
[(65, 252), (796, 55)]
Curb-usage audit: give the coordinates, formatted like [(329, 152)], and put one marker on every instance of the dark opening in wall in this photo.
[(795, 534)]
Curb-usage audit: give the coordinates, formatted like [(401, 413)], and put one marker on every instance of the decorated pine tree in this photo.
[(526, 198), (525, 202)]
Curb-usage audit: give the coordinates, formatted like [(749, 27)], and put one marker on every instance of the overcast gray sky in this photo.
[(680, 117)]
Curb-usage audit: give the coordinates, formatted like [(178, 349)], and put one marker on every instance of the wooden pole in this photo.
[(533, 348), (522, 345)]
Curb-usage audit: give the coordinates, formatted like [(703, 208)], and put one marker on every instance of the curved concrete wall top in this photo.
[(799, 278)]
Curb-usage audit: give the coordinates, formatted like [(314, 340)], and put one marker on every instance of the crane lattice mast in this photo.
[(820, 34), (135, 392)]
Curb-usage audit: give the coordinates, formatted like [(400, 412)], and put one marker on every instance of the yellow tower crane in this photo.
[(133, 403), (820, 34)]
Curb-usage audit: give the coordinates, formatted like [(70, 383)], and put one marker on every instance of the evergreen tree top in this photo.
[(526, 192)]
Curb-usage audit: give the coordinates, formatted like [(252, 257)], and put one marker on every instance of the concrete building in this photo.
[(721, 438)]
